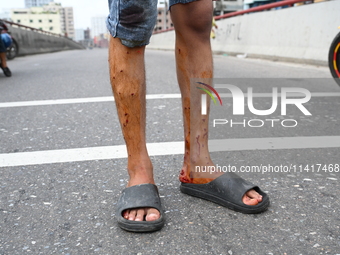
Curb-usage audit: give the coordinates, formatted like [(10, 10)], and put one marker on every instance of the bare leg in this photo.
[(194, 60), (3, 59), (4, 66), (127, 77)]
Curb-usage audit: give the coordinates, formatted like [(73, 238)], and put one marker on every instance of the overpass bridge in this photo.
[(35, 41), (300, 34)]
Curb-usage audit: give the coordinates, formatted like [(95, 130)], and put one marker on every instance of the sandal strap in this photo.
[(139, 196), (233, 186)]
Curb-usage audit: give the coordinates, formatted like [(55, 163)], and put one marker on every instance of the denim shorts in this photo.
[(133, 21)]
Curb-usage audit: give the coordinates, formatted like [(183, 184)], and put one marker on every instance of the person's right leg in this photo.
[(127, 77), (131, 24)]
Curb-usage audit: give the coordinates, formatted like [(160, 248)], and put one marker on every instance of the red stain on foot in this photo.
[(183, 177)]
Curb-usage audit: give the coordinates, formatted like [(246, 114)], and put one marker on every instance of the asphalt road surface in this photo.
[(62, 163)]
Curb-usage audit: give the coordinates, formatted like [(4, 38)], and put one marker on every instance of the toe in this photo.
[(249, 201), (254, 195), (252, 198), (148, 214), (126, 214), (132, 214), (140, 215), (152, 214)]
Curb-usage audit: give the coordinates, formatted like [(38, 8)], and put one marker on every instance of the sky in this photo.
[(83, 10)]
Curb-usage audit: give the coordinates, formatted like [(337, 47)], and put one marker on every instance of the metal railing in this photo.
[(254, 9), (33, 29), (260, 8)]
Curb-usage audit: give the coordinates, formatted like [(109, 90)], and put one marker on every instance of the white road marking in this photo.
[(167, 148), (79, 100), (152, 96), (57, 101)]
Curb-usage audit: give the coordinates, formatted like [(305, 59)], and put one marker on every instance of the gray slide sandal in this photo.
[(227, 190), (139, 196)]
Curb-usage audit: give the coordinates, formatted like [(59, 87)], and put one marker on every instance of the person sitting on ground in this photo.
[(3, 50)]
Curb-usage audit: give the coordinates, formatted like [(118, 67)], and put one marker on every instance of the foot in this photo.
[(6, 71), (250, 198), (141, 214)]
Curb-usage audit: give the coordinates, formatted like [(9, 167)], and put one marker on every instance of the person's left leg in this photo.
[(3, 59), (193, 22)]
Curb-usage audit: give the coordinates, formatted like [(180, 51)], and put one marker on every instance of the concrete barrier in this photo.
[(31, 42), (299, 34)]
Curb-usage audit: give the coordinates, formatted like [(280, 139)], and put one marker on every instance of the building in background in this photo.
[(79, 34), (163, 17), (98, 26), (83, 36), (101, 41), (36, 3), (99, 32), (220, 7), (52, 17), (68, 21), (88, 41), (225, 6), (87, 34), (38, 18)]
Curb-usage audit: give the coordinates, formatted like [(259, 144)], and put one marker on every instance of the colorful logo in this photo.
[(209, 93)]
